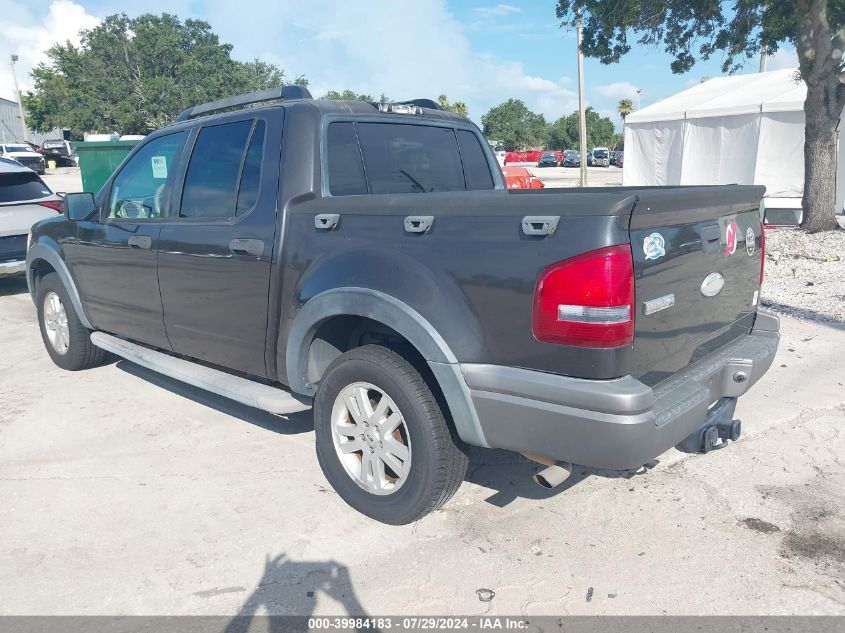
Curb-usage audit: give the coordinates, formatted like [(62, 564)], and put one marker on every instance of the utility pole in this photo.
[(639, 90), (20, 100), (762, 61), (582, 115)]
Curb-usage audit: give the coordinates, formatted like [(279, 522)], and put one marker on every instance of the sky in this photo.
[(474, 51)]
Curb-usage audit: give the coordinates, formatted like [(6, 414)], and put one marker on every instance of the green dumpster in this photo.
[(99, 159)]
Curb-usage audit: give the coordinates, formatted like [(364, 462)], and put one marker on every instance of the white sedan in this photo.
[(24, 200)]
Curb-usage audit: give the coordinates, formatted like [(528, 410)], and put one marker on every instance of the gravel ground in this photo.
[(805, 274)]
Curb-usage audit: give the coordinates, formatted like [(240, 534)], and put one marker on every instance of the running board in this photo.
[(241, 390)]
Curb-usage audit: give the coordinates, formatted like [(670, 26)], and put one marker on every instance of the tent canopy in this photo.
[(743, 129)]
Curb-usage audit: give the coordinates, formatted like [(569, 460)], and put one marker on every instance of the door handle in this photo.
[(418, 223), (540, 224), (140, 241), (326, 221), (246, 246)]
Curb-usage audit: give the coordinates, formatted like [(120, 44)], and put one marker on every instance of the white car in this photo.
[(25, 155), (24, 200), (601, 157)]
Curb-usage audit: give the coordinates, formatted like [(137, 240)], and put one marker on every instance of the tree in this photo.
[(738, 31), (625, 107), (347, 95), (133, 75), (516, 126), (564, 133), (458, 107)]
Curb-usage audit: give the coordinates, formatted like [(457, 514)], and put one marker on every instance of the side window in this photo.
[(476, 169), (346, 171), (142, 188), (251, 175), (211, 182), (405, 158)]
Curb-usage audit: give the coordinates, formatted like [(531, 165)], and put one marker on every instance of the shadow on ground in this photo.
[(13, 286), (288, 425), (290, 587), (510, 475)]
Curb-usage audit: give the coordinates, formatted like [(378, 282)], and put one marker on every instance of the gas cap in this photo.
[(712, 284)]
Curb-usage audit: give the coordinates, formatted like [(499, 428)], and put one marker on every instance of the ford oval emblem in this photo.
[(712, 284)]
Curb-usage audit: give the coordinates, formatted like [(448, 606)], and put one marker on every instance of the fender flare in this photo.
[(51, 256), (399, 316)]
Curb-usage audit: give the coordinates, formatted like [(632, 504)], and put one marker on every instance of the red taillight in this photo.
[(588, 300), (55, 205), (762, 250)]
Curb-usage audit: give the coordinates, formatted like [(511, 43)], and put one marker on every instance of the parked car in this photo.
[(590, 158), (60, 151), (620, 159), (24, 200), (377, 270), (547, 159), (601, 157), (571, 158), (25, 155)]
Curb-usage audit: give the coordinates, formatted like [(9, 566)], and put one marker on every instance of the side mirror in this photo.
[(78, 206)]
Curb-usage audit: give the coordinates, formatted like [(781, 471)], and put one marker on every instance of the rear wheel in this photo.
[(382, 440), (67, 341)]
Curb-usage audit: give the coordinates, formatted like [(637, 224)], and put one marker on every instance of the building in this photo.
[(10, 126)]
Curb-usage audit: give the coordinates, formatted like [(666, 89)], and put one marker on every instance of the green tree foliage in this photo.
[(458, 107), (624, 108), (133, 75), (564, 134), (516, 126), (736, 31), (347, 95)]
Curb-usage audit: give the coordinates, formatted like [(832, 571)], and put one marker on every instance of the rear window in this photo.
[(476, 169), (17, 187), (404, 158), (211, 182), (410, 158)]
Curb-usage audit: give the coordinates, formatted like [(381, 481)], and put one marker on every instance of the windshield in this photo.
[(17, 148), (548, 155), (599, 153)]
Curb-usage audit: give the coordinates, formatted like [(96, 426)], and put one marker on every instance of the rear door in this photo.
[(113, 259), (697, 256), (215, 253)]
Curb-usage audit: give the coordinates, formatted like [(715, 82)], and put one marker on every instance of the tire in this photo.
[(436, 463), (67, 341)]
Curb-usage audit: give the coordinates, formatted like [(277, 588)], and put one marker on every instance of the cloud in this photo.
[(404, 50), (618, 90), (29, 36), (783, 58), (497, 10)]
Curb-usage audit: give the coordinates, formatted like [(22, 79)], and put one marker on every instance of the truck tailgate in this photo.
[(697, 261)]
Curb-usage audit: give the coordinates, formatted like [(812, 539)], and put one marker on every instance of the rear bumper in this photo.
[(615, 424), (12, 268)]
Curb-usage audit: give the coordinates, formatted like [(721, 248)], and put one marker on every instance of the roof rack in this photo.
[(420, 103), (284, 92)]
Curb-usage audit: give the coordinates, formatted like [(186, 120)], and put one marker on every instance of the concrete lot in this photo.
[(570, 176), (123, 492)]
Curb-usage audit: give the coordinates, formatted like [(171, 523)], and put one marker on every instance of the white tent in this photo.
[(745, 129)]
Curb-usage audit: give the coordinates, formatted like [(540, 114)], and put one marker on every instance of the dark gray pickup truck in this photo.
[(367, 260)]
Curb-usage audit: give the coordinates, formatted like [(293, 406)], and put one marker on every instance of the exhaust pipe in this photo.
[(553, 475)]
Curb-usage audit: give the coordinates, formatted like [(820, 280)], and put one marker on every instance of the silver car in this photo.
[(24, 200)]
